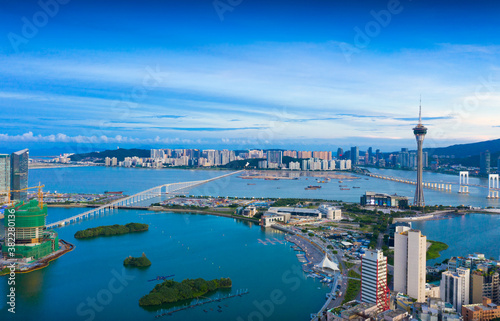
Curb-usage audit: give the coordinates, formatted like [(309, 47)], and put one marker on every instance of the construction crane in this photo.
[(39, 194)]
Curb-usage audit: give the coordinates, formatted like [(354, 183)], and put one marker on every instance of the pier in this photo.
[(139, 197), (239, 293)]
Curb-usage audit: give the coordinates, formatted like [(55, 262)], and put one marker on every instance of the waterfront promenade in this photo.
[(315, 249), (139, 197)]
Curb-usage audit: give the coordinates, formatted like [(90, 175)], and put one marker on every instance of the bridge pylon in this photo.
[(493, 184), (464, 182)]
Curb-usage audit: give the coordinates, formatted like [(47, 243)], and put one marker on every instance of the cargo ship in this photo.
[(312, 187)]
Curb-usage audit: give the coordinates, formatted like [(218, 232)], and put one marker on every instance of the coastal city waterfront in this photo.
[(181, 244), (233, 160), (91, 179), (73, 182)]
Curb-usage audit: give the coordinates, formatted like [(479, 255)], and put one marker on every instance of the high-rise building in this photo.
[(404, 158), (4, 177), (275, 156), (19, 174), (304, 154), (374, 279), (370, 153), (354, 155), (340, 152), (455, 287), (157, 153), (32, 240), (484, 160), (225, 156), (484, 283), (255, 153), (290, 153), (419, 131), (322, 155), (378, 157), (409, 263)]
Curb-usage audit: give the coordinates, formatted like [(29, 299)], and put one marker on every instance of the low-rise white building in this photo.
[(330, 212), (269, 218)]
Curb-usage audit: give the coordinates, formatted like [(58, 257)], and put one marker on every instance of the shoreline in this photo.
[(180, 210), (62, 166), (45, 261), (443, 216)]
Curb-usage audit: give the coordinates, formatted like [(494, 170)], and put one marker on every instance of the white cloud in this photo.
[(29, 137), (263, 85)]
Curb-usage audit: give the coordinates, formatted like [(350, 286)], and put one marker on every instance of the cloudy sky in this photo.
[(84, 75)]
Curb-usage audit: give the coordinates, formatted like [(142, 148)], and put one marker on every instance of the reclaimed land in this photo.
[(202, 211), (110, 230), (171, 291), (434, 249)]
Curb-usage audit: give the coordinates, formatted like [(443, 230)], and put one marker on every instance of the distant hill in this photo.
[(120, 154), (471, 161), (466, 150)]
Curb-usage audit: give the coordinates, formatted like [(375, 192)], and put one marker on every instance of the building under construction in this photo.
[(32, 240)]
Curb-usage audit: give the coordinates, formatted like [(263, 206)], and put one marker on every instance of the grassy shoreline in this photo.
[(434, 250)]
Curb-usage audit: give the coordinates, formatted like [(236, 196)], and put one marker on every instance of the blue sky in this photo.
[(86, 75)]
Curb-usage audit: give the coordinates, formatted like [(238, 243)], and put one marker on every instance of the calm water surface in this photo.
[(187, 245), (192, 246)]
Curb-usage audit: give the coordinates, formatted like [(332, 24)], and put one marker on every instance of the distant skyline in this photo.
[(307, 75)]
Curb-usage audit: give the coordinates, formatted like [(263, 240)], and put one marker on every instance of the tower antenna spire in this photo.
[(420, 111)]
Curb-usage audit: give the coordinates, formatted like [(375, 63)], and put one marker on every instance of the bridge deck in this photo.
[(144, 195)]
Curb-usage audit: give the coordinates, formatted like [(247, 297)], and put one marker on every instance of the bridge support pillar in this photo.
[(464, 182), (493, 185)]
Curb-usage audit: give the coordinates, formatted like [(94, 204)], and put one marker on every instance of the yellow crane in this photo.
[(39, 194)]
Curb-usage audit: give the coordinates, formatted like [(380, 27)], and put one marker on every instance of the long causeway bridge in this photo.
[(493, 183), (139, 197)]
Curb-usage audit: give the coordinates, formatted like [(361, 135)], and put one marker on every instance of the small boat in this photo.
[(250, 184), (313, 187), (345, 189), (356, 187)]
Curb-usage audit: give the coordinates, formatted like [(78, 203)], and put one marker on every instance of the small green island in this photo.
[(435, 248), (141, 261), (110, 230), (171, 291)]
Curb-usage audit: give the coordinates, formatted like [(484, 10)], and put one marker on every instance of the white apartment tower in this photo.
[(374, 279), (455, 287), (409, 263)]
